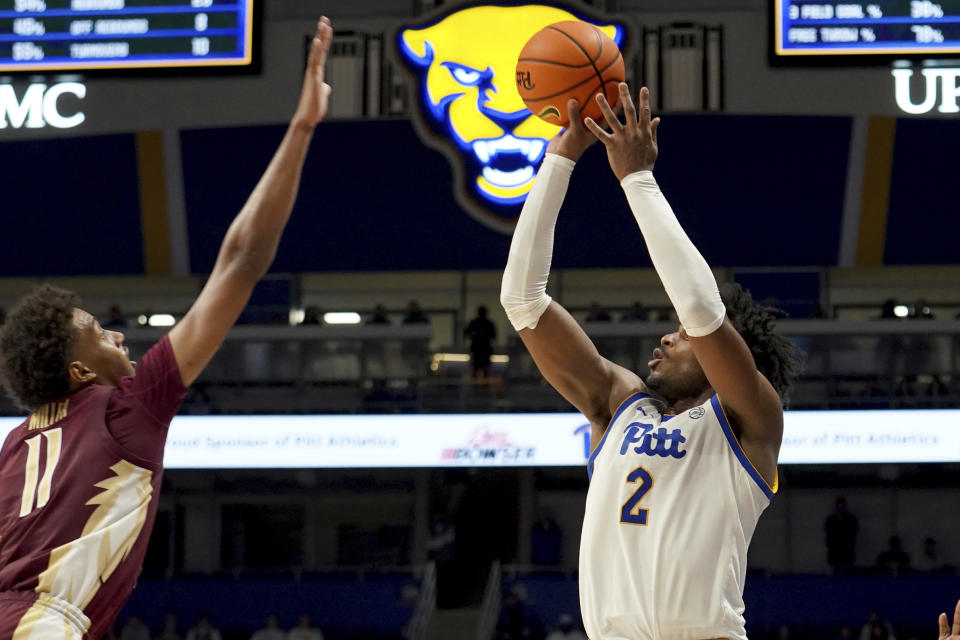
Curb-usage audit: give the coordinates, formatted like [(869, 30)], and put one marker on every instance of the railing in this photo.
[(490, 609), (426, 605), (389, 369)]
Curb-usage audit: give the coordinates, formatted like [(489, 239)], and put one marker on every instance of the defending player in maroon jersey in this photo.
[(80, 478)]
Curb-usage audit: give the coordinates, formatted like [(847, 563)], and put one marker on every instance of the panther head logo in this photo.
[(464, 63)]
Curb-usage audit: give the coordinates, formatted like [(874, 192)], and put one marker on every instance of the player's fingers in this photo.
[(608, 113), (322, 40), (653, 128), (944, 625), (644, 100), (573, 115), (956, 620), (629, 110), (595, 129)]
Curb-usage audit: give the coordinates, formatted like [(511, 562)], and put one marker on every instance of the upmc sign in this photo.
[(41, 106), (940, 82)]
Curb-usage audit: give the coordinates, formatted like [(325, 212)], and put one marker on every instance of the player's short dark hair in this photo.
[(777, 358), (35, 345)]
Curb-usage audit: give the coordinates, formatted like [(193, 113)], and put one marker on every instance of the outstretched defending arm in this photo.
[(563, 352), (251, 241), (721, 351)]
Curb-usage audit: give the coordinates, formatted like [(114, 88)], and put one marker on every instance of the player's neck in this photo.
[(685, 404)]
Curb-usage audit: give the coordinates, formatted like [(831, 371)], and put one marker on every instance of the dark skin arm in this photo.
[(750, 400), (252, 239), (563, 352)]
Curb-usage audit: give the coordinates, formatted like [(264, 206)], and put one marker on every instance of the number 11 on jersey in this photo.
[(31, 487), (631, 513)]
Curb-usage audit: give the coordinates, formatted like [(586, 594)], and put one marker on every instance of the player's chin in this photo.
[(654, 380)]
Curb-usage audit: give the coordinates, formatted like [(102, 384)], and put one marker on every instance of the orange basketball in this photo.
[(569, 60)]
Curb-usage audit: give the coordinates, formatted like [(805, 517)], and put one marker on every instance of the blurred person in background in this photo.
[(312, 316), (845, 633), (635, 313), (876, 628), (271, 631), (518, 620), (929, 559), (415, 314), (135, 629), (894, 558), (169, 631), (379, 315), (115, 319), (841, 529), (481, 332), (74, 537), (204, 630), (566, 630), (304, 630), (597, 314)]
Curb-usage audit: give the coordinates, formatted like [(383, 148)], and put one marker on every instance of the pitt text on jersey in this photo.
[(660, 443)]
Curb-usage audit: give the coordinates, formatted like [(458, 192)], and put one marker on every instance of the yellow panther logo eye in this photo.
[(464, 68)]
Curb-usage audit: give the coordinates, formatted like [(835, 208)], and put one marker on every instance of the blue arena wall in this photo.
[(71, 206), (750, 190), (924, 221)]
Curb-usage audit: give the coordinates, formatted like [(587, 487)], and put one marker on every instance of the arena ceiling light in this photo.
[(341, 317), (156, 320), (161, 320)]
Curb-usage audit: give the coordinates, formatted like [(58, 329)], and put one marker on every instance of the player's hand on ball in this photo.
[(315, 95), (946, 631), (575, 139), (632, 145)]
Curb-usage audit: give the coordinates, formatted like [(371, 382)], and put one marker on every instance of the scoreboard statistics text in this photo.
[(80, 35), (880, 27)]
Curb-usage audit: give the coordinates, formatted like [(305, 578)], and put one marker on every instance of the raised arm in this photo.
[(564, 354), (722, 353), (251, 241)]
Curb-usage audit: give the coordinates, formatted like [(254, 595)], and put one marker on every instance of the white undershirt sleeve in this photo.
[(523, 292), (687, 278)]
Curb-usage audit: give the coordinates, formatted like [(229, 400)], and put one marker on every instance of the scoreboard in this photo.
[(84, 35), (879, 27)]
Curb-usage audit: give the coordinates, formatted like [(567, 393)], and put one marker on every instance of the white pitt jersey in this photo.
[(672, 505)]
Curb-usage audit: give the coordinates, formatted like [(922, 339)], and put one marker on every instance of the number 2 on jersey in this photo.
[(631, 513), (31, 487)]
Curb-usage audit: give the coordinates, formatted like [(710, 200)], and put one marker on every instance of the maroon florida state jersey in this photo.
[(79, 485)]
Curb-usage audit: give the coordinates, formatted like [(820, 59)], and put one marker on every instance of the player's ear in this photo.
[(80, 373)]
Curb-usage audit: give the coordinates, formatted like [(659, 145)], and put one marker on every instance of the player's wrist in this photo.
[(642, 176), (559, 160)]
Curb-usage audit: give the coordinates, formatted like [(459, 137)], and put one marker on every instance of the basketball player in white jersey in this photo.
[(684, 462)]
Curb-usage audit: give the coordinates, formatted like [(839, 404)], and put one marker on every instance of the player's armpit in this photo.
[(570, 362), (745, 393)]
